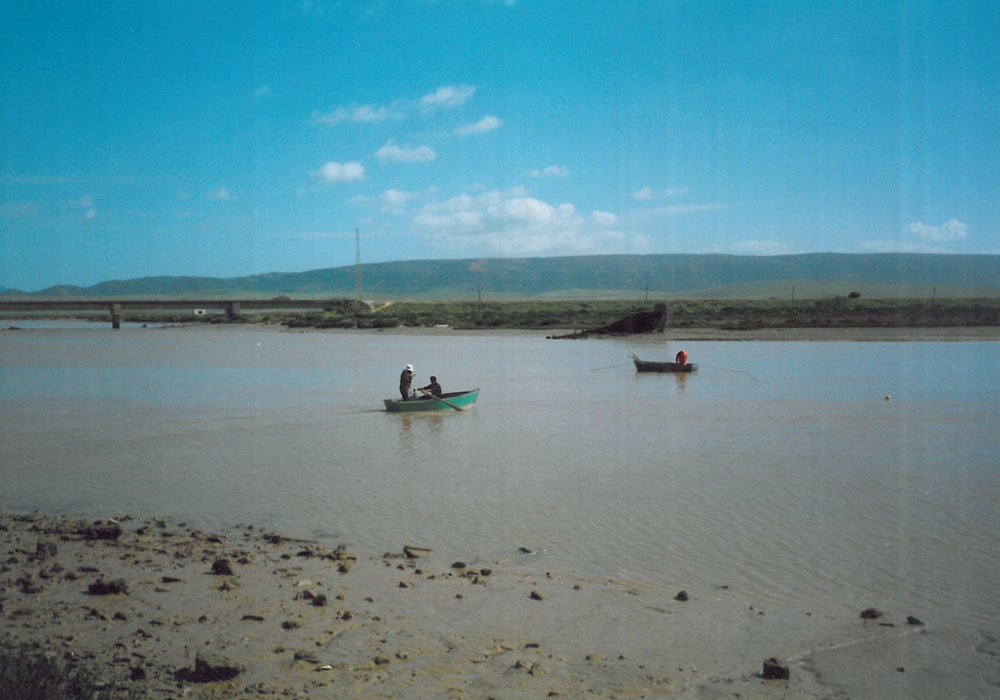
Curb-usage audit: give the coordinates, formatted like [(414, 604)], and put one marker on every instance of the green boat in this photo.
[(453, 401), (648, 366)]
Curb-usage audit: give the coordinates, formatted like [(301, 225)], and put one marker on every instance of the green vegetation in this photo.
[(838, 312), (723, 314), (30, 674)]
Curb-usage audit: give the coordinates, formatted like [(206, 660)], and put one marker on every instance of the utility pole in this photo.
[(357, 263)]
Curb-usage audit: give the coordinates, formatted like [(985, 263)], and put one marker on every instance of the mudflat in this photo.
[(163, 610)]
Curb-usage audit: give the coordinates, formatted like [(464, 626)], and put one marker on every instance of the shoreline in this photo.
[(804, 334), (891, 334), (138, 600)]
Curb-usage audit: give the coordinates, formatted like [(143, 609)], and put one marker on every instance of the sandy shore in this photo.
[(141, 600)]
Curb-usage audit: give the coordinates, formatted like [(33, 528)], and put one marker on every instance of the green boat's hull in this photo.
[(647, 366), (461, 399)]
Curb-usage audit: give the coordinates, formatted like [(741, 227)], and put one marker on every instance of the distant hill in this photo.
[(604, 276)]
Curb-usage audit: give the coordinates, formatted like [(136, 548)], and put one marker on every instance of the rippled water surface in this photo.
[(779, 469)]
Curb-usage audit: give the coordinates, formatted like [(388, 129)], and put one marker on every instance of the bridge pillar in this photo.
[(116, 316), (233, 310)]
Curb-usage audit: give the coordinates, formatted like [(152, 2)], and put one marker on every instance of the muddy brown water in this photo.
[(779, 470)]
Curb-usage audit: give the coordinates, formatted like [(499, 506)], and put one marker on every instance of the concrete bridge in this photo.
[(232, 307)]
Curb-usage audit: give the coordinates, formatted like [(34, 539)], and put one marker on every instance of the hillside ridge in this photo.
[(662, 274)]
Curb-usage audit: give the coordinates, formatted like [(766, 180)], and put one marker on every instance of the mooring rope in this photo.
[(597, 369), (728, 369)]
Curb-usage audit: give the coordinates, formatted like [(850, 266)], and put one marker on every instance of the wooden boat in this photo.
[(455, 400), (647, 366)]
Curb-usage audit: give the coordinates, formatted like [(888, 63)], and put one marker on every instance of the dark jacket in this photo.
[(433, 387), (405, 379)]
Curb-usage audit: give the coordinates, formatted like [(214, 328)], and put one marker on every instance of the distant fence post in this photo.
[(116, 316), (233, 310)]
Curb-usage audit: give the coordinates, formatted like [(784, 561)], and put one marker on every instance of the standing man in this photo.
[(405, 379)]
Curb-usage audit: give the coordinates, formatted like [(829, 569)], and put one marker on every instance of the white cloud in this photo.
[(220, 194), (487, 123), (604, 219), (647, 194), (550, 171), (898, 246), (393, 153), (17, 210), (949, 231), (754, 247), (919, 237), (446, 97), (497, 223), (358, 114), (86, 203), (677, 209), (262, 92), (339, 172), (392, 200)]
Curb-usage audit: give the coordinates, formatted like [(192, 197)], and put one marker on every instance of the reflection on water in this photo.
[(785, 476), (415, 427)]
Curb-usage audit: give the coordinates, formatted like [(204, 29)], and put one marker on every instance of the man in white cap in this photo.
[(405, 379)]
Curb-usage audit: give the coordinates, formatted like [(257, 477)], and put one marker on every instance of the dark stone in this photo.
[(115, 587), (320, 600), (775, 669), (221, 567), (458, 565), (170, 579), (45, 549), (209, 667), (306, 655), (910, 620), (871, 614), (101, 531), (255, 618), (137, 674), (682, 596)]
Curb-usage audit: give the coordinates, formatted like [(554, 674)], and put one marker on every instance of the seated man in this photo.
[(434, 388)]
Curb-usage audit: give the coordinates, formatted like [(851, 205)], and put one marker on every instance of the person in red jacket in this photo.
[(681, 358)]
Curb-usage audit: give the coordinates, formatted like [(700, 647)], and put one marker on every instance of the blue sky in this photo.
[(230, 138)]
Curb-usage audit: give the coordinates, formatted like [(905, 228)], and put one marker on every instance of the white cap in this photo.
[(409, 367)]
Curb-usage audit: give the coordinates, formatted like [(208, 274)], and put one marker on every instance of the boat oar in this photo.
[(438, 398)]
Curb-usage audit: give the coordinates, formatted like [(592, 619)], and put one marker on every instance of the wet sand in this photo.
[(139, 600)]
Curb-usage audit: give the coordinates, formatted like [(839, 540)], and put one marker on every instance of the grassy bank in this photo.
[(728, 314), (725, 315)]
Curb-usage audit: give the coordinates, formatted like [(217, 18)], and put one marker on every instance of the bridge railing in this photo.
[(232, 307)]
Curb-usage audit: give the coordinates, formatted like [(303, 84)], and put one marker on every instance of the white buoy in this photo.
[(888, 398)]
